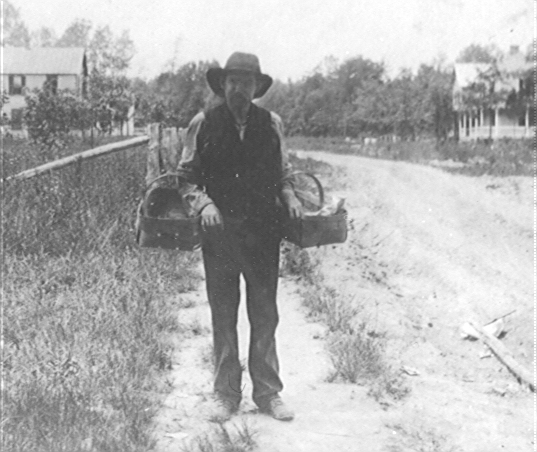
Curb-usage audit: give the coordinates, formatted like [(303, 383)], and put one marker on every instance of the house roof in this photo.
[(467, 73), (514, 63), (43, 60)]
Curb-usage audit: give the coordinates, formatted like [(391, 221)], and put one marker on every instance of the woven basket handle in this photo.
[(164, 176), (317, 182)]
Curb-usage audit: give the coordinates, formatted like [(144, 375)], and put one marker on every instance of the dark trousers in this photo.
[(254, 254)]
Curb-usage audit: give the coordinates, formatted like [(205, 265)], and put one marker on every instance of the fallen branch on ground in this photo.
[(501, 352)]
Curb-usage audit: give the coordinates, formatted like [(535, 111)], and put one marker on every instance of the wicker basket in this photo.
[(162, 219), (314, 229)]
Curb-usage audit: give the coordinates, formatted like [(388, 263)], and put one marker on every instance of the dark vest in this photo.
[(241, 177)]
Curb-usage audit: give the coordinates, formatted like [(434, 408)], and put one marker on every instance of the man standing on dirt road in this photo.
[(235, 159)]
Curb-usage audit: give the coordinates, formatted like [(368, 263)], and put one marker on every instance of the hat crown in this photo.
[(240, 61)]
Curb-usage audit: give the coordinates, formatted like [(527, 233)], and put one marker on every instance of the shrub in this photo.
[(356, 356), (326, 304), (50, 116), (297, 262), (224, 439)]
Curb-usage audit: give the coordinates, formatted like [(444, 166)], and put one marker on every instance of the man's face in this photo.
[(239, 89)]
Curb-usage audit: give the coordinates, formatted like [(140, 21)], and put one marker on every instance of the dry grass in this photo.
[(298, 263), (239, 438), (357, 351), (85, 312), (326, 304)]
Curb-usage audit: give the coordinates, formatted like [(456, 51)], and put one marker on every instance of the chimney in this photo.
[(513, 50)]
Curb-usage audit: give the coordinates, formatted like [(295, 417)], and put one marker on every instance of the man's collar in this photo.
[(231, 116)]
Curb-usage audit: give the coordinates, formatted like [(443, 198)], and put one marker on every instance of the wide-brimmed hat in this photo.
[(242, 62)]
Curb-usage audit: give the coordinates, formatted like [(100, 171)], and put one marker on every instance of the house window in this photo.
[(52, 83), (16, 84)]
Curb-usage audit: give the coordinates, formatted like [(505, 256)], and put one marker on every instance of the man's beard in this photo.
[(239, 101)]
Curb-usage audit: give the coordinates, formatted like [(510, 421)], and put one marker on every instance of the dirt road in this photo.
[(428, 251)]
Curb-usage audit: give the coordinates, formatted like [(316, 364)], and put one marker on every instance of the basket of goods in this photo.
[(164, 219), (324, 222)]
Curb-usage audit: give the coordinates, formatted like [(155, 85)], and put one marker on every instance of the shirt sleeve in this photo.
[(189, 166), (277, 125)]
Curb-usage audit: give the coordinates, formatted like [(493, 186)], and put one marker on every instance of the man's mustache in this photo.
[(238, 97)]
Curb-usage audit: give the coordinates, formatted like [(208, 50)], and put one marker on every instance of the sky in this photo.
[(292, 37)]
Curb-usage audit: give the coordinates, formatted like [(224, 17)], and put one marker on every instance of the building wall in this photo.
[(35, 81), (68, 82)]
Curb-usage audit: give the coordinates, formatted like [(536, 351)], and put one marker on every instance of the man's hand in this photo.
[(294, 206), (211, 218)]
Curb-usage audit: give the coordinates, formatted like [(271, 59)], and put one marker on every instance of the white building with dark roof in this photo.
[(23, 70), (511, 115)]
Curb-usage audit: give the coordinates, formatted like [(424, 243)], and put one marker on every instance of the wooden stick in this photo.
[(501, 352), (86, 155), (502, 316)]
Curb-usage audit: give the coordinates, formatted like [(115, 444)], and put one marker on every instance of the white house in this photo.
[(27, 69), (498, 120)]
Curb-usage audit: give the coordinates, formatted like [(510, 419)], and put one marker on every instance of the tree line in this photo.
[(352, 98)]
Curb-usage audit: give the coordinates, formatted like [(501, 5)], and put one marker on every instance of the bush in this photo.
[(296, 262), (50, 116), (328, 305), (356, 357)]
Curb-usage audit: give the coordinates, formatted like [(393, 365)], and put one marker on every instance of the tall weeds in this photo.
[(356, 350), (85, 312)]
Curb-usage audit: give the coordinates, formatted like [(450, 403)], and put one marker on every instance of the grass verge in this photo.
[(503, 157), (240, 438), (86, 313), (357, 351)]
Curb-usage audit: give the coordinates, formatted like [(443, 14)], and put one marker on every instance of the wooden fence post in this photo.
[(165, 148)]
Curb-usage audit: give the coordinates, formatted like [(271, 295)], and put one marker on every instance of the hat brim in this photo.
[(216, 74)]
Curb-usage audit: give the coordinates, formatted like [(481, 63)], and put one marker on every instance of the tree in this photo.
[(15, 33), (350, 78), (476, 53), (177, 96), (110, 55), (434, 83), (44, 37), (484, 92), (76, 35), (372, 109)]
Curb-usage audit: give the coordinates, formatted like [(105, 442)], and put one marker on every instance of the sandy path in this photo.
[(328, 415), (427, 252), (452, 249)]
